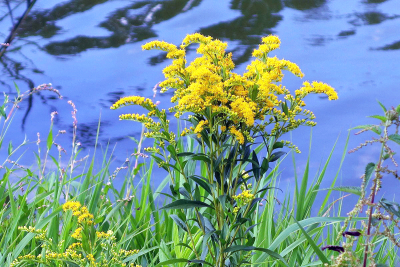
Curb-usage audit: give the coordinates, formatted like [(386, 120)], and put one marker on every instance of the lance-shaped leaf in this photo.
[(390, 206), (369, 169), (379, 117), (276, 155), (382, 106), (185, 204), (179, 222), (256, 166), (201, 181), (375, 128), (356, 190)]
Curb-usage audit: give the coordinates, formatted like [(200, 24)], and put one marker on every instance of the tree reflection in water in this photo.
[(135, 22)]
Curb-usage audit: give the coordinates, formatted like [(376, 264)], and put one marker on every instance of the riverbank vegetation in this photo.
[(218, 204)]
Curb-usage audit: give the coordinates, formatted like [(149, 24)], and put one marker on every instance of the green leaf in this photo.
[(398, 109), (202, 158), (264, 166), (348, 189), (10, 148), (285, 108), (172, 151), (250, 248), (17, 88), (184, 245), (379, 117), (382, 106), (179, 222), (395, 138), (201, 182), (2, 112), (316, 249), (390, 206), (185, 154), (369, 169), (276, 155), (185, 204), (50, 138), (371, 127), (256, 166), (222, 200), (277, 145)]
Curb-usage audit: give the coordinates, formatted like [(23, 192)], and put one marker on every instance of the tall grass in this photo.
[(33, 197)]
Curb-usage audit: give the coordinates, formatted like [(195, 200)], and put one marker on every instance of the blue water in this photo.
[(91, 52)]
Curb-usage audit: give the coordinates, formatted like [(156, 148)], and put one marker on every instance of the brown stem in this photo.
[(369, 225)]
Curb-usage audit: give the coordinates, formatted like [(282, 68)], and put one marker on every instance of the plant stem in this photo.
[(378, 167)]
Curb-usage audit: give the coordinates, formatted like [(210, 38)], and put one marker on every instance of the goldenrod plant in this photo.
[(90, 247), (228, 113)]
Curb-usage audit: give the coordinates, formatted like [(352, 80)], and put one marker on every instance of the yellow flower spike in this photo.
[(195, 38), (271, 39), (239, 136), (134, 100), (160, 45), (316, 87), (200, 126), (178, 53), (77, 234)]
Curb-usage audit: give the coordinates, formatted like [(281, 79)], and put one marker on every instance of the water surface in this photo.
[(91, 52)]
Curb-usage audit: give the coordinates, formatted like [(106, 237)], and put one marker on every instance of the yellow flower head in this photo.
[(160, 45), (71, 205), (195, 38), (134, 100)]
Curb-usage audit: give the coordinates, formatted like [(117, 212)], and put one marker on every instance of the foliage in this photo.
[(384, 215), (230, 111)]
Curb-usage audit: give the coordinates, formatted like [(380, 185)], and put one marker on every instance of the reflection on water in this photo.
[(304, 4), (344, 38), (257, 20), (371, 18), (393, 46), (125, 24)]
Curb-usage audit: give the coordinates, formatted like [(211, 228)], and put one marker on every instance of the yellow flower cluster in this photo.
[(74, 252), (134, 100), (236, 210), (104, 235), (152, 149), (269, 44), (136, 117), (316, 87), (78, 233), (187, 131), (244, 198), (200, 127), (238, 135), (208, 87), (71, 205), (84, 217)]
